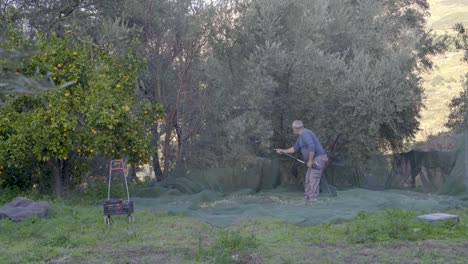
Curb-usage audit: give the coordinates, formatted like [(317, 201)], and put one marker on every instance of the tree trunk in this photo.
[(57, 184), (167, 145), (67, 167), (157, 167), (132, 173), (178, 130), (66, 176), (155, 146), (279, 114), (61, 174)]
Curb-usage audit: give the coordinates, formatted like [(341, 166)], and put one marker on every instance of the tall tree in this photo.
[(89, 111), (174, 37), (458, 118), (348, 68)]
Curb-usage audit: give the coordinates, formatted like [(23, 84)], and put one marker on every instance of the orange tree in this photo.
[(91, 111)]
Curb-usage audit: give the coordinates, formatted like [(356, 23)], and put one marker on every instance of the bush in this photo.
[(230, 247), (398, 224), (8, 194), (95, 190)]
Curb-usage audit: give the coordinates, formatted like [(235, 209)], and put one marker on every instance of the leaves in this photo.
[(345, 68), (88, 112), (458, 117)]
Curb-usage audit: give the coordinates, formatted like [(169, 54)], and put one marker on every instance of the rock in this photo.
[(435, 218), (21, 208)]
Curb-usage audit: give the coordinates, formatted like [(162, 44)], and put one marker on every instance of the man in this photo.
[(313, 154)]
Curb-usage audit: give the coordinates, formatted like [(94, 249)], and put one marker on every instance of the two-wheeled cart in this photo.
[(118, 206)]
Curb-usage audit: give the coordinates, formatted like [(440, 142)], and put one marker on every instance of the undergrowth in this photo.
[(399, 225), (229, 247)]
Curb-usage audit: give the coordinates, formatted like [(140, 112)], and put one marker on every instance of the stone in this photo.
[(22, 207), (438, 217)]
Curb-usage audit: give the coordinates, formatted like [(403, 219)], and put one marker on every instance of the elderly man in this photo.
[(313, 154)]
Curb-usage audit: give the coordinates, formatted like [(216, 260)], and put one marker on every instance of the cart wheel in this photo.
[(108, 219), (130, 218)]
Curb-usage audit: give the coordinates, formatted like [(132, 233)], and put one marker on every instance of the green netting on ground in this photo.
[(224, 196), (443, 172), (457, 181), (261, 174), (264, 174), (286, 204)]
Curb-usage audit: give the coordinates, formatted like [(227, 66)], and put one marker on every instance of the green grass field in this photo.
[(77, 234)]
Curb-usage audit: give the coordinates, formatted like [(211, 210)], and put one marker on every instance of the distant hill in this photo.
[(443, 83), (445, 13)]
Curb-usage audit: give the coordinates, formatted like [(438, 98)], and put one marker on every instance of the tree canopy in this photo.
[(458, 118), (91, 110), (205, 83)]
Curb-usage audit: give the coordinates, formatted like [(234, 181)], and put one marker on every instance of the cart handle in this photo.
[(120, 167)]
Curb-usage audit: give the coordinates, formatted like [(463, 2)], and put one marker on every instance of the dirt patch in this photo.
[(407, 252), (144, 254), (250, 260), (132, 255)]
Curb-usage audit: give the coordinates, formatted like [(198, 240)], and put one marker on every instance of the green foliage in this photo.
[(230, 247), (91, 111), (232, 75), (399, 225), (11, 192), (274, 62), (95, 191), (458, 117), (12, 52)]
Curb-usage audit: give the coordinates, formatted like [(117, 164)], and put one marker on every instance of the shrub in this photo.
[(230, 247), (398, 224)]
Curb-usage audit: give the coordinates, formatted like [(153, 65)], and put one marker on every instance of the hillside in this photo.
[(443, 83)]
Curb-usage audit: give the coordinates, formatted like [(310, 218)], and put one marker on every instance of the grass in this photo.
[(74, 233)]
